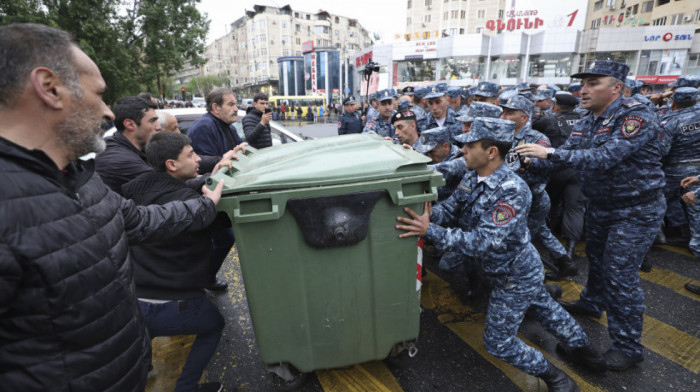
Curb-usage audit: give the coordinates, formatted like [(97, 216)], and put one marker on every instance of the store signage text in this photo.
[(313, 72), (363, 59), (523, 23), (669, 37)]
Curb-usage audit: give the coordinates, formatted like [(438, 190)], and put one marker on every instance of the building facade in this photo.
[(248, 54)]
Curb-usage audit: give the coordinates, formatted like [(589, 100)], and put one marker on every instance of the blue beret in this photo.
[(605, 68), (488, 128)]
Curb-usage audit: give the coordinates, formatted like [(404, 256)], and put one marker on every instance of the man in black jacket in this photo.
[(171, 275), (69, 319), (256, 123), (123, 159)]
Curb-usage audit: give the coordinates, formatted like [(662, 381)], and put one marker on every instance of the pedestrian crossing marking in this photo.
[(671, 280), (365, 377), (676, 249), (661, 338), (437, 295)]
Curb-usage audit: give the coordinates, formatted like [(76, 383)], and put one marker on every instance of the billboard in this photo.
[(534, 15)]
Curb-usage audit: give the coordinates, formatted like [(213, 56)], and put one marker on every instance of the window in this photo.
[(321, 17), (322, 29), (453, 14), (285, 39), (444, 15), (697, 16), (262, 38), (286, 52), (461, 31), (263, 52), (595, 23), (296, 14), (285, 24), (453, 31), (428, 2), (462, 14), (408, 21), (308, 17), (298, 41), (479, 30), (501, 14), (409, 4), (598, 5), (659, 21), (481, 14), (647, 6), (550, 65), (426, 18), (337, 33), (337, 20), (677, 19), (662, 2), (351, 33), (308, 30)]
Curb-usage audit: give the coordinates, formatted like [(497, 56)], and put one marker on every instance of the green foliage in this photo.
[(202, 85), (132, 42)]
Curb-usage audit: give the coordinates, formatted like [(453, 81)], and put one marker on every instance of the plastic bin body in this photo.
[(322, 295)]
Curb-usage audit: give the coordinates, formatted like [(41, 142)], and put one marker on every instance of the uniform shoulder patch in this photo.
[(632, 103), (503, 213), (542, 142), (631, 125)]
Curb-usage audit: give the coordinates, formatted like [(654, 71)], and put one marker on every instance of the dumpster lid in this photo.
[(328, 161)]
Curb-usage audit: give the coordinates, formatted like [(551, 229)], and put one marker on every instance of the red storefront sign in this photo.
[(658, 79)]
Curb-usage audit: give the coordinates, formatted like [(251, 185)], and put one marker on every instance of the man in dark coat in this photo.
[(171, 275), (256, 123), (69, 319)]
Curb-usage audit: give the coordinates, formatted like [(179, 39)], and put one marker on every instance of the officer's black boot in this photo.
[(646, 264), (571, 248), (566, 266), (557, 380), (692, 288), (587, 356)]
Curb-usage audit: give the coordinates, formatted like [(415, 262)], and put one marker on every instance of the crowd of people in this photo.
[(99, 256)]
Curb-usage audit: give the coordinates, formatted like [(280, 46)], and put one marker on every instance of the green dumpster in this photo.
[(328, 281)]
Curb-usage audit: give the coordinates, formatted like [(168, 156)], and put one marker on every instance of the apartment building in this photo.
[(248, 54), (427, 19)]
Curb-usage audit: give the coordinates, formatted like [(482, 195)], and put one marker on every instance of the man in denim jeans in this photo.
[(171, 275)]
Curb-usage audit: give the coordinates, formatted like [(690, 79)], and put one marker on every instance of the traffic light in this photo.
[(182, 89)]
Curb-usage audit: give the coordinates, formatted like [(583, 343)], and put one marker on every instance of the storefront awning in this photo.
[(658, 79)]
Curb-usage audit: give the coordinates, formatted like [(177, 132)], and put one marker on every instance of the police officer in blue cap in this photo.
[(440, 114), (372, 112), (615, 148), (477, 109), (519, 110), (543, 102), (485, 92), (691, 197), (486, 219), (350, 121), (454, 95), (575, 89), (680, 147), (419, 104), (435, 144), (382, 123)]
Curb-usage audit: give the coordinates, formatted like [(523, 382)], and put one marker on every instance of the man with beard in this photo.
[(256, 123), (69, 319)]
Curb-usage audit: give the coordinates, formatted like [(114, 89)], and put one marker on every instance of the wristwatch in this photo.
[(550, 151)]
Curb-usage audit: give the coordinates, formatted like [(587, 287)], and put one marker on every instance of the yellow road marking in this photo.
[(661, 338), (671, 280), (676, 249), (365, 377), (469, 326)]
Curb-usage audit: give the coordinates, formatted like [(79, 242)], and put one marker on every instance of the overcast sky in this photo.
[(384, 17)]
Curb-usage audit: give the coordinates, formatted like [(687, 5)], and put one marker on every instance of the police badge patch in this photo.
[(631, 125), (503, 213)]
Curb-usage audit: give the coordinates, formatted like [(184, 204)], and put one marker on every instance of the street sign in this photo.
[(347, 90)]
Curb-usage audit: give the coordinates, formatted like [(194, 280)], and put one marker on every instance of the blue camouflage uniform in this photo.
[(694, 220), (377, 123), (372, 113), (540, 95), (349, 122), (680, 146), (419, 93), (536, 176), (490, 219), (429, 122), (618, 158)]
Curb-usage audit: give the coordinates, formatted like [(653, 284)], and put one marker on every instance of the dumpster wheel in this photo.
[(288, 377), (404, 346)]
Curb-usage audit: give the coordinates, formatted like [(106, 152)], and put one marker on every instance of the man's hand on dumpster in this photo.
[(225, 162), (231, 154), (418, 225), (214, 195)]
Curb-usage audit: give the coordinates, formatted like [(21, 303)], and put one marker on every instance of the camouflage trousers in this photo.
[(514, 295), (694, 223), (536, 223), (618, 239)]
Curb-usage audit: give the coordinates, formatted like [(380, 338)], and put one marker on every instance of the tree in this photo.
[(132, 42), (202, 85)]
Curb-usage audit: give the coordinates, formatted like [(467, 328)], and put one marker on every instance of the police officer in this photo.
[(372, 112), (543, 102), (615, 149), (485, 92), (439, 115), (385, 109), (405, 128), (477, 109), (454, 99), (490, 209), (519, 110), (435, 144), (563, 187), (350, 121), (680, 148), (691, 186), (419, 104)]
